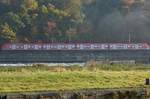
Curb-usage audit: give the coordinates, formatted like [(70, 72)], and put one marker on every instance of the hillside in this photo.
[(74, 20)]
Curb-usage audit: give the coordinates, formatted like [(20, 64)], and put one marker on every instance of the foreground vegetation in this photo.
[(43, 78)]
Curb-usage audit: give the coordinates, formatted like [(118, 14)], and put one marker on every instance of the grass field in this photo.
[(43, 78)]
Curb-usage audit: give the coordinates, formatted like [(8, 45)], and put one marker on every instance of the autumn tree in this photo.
[(7, 34)]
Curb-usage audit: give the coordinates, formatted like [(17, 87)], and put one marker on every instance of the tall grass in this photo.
[(91, 66), (42, 78)]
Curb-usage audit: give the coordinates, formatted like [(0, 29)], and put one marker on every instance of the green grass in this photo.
[(39, 78)]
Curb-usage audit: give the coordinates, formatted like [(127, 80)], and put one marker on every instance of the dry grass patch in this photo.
[(70, 78)]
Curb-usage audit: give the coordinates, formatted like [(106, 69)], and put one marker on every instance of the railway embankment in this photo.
[(74, 56)]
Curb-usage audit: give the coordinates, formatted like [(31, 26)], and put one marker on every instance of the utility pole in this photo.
[(129, 40)]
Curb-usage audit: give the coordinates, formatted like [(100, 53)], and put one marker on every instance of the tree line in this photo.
[(39, 20)]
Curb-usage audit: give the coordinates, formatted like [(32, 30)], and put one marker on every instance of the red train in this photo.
[(75, 46)]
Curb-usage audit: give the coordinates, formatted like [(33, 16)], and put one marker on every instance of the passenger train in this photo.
[(75, 46)]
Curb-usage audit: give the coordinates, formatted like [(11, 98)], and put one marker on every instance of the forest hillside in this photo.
[(74, 20)]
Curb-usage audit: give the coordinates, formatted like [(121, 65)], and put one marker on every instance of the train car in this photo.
[(75, 46), (55, 46), (132, 46)]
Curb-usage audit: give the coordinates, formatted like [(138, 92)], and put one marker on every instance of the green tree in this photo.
[(13, 20), (7, 34), (31, 4), (44, 9), (41, 19), (74, 8)]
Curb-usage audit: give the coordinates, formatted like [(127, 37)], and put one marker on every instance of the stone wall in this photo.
[(84, 94)]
